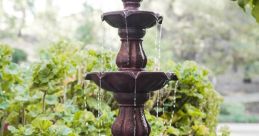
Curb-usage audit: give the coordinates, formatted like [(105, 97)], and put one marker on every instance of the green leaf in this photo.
[(172, 130), (201, 130), (12, 69), (28, 131), (25, 98), (4, 105), (51, 99), (60, 130), (42, 124), (193, 111), (255, 12), (12, 129)]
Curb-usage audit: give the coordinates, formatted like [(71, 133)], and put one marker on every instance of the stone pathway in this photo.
[(242, 129)]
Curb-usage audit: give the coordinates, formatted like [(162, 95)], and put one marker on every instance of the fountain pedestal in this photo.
[(131, 120), (132, 84)]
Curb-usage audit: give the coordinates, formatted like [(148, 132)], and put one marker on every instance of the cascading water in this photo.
[(100, 91), (125, 12), (135, 104), (158, 45), (99, 106), (157, 63), (174, 102)]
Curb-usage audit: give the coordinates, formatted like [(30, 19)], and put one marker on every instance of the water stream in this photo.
[(127, 35), (99, 106), (135, 104), (102, 47), (174, 102), (100, 91), (158, 46), (157, 63)]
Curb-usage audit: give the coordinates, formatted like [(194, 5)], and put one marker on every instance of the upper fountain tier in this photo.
[(131, 59), (131, 17)]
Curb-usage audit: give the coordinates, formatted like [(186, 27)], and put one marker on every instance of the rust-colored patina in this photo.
[(132, 84)]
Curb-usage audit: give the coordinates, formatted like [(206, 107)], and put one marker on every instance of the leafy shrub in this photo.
[(224, 131), (235, 112), (197, 103), (19, 56), (52, 97)]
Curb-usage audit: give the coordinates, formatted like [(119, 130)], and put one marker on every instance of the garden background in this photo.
[(54, 42)]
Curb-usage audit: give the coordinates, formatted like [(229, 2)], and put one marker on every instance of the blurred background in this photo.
[(216, 34)]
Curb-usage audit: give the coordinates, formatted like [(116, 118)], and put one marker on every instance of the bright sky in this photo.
[(106, 5), (68, 7)]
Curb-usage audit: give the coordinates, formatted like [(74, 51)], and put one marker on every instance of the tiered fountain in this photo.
[(132, 84)]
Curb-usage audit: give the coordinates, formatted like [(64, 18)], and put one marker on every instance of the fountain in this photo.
[(131, 85)]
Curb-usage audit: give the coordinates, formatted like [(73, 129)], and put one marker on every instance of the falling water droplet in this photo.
[(135, 104), (162, 95), (102, 47), (127, 35), (98, 106), (157, 103), (135, 92), (99, 93), (157, 62), (159, 44), (174, 101), (99, 103)]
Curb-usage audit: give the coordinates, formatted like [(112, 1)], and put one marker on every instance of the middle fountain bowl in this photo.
[(130, 82)]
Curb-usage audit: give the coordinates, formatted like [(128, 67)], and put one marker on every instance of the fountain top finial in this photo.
[(131, 4)]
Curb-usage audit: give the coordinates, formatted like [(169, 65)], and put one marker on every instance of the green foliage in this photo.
[(253, 4), (5, 55), (224, 131), (10, 80), (54, 99), (19, 56), (235, 112), (197, 103)]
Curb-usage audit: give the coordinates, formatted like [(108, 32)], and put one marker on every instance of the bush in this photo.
[(197, 103), (236, 112), (19, 56), (54, 99)]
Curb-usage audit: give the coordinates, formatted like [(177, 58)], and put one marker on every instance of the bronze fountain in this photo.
[(132, 84)]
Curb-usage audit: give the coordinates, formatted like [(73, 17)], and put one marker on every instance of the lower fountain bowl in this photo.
[(129, 82)]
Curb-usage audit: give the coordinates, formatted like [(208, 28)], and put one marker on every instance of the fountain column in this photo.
[(131, 85), (131, 120)]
